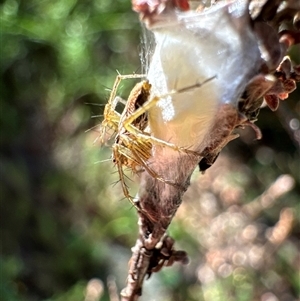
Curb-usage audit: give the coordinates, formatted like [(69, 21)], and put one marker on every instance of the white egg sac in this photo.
[(190, 48)]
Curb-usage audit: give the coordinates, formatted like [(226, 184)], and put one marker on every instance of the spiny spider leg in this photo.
[(139, 153), (116, 152), (111, 116)]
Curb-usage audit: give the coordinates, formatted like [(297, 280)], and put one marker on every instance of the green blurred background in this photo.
[(66, 233)]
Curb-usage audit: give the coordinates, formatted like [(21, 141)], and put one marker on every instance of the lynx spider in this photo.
[(133, 145)]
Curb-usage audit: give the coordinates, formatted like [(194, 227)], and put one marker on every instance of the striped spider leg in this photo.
[(111, 116)]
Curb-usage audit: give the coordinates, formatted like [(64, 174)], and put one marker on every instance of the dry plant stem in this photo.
[(138, 267), (158, 203), (146, 261)]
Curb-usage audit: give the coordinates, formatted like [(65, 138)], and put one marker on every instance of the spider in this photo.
[(132, 145)]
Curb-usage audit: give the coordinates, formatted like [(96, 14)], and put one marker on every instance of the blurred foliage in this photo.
[(64, 229)]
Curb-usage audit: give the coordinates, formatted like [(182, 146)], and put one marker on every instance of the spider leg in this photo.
[(109, 123), (111, 116), (150, 170), (154, 100), (150, 139), (138, 153), (116, 155), (117, 82), (128, 121)]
